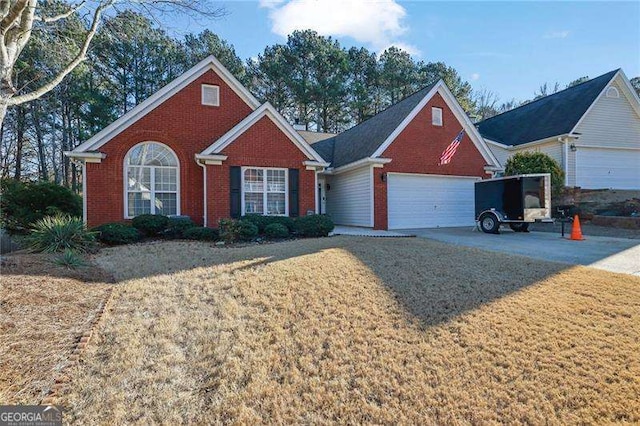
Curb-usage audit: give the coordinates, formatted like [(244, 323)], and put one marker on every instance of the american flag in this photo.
[(450, 151)]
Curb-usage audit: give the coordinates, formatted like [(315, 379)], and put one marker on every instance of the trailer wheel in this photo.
[(520, 227), (489, 223)]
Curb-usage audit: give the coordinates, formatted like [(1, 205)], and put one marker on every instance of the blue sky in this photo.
[(507, 47)]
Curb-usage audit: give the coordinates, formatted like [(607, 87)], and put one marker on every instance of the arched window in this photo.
[(151, 180)]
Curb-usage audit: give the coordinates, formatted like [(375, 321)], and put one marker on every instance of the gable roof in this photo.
[(371, 138), (267, 110), (553, 115), (142, 109), (362, 140)]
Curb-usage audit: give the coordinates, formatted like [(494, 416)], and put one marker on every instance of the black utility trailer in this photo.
[(513, 200)]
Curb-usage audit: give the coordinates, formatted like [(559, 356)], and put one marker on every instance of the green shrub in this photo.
[(24, 203), (276, 230), (536, 162), (247, 231), (177, 227), (117, 233), (232, 230), (150, 224), (263, 221), (58, 233), (228, 230), (69, 259), (317, 225), (201, 234)]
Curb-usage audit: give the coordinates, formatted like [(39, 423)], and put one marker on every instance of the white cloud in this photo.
[(475, 76), (378, 24), (557, 34)]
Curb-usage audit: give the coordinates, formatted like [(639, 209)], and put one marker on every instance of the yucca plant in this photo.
[(69, 259), (59, 233)]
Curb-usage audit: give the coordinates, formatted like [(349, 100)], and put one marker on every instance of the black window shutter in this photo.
[(234, 196), (294, 200)]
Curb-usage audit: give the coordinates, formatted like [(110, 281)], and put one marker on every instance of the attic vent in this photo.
[(612, 92), (210, 95), (436, 116)]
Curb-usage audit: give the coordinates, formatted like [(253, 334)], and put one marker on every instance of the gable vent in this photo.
[(210, 95), (612, 92)]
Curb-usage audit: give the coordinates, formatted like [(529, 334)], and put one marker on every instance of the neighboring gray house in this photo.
[(592, 130)]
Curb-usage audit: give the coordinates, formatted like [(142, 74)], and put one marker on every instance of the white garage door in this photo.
[(607, 168), (424, 201)]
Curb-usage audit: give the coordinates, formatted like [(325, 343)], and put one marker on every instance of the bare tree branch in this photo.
[(81, 56), (49, 19), (15, 13)]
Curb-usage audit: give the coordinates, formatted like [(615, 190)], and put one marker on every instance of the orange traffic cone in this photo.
[(576, 231)]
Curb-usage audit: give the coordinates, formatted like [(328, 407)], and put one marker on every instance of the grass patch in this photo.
[(352, 330), (44, 308)]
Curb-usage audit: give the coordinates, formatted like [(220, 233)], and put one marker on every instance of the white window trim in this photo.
[(440, 122), (612, 92), (125, 177), (202, 97), (264, 189)]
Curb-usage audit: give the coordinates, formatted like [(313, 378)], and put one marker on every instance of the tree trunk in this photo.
[(20, 128), (37, 125)]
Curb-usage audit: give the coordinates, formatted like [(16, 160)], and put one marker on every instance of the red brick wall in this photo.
[(417, 150), (263, 145), (182, 123)]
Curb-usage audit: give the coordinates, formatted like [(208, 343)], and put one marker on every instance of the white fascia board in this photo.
[(215, 160), (265, 109), (210, 63), (365, 162), (89, 157), (316, 164)]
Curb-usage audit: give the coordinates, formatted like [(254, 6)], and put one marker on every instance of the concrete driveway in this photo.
[(608, 253)]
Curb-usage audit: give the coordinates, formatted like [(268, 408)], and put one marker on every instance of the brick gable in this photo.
[(417, 149)]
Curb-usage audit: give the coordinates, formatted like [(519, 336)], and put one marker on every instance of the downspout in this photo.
[(204, 184), (84, 192), (566, 160)]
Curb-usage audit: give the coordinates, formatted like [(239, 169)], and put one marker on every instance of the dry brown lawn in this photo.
[(43, 311), (356, 330)]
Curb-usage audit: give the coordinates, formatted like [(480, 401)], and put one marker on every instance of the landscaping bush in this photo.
[(150, 224), (276, 230), (536, 162), (317, 225), (201, 234), (70, 259), (263, 221), (232, 230), (228, 230), (58, 233), (177, 227), (247, 231), (24, 203), (117, 233)]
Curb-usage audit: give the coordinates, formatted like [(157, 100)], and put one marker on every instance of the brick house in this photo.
[(204, 147)]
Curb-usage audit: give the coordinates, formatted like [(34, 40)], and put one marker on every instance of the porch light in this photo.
[(383, 177), (573, 147)]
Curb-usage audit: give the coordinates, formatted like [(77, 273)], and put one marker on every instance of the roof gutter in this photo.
[(211, 160), (369, 161)]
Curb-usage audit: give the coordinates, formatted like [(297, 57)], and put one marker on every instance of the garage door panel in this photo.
[(423, 201), (607, 168)]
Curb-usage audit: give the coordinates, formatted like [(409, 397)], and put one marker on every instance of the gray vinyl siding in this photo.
[(350, 198), (500, 153), (611, 122)]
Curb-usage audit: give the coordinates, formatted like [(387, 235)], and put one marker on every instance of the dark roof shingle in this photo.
[(362, 140), (546, 117)]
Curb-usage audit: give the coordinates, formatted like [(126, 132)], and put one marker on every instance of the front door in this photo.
[(322, 190)]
